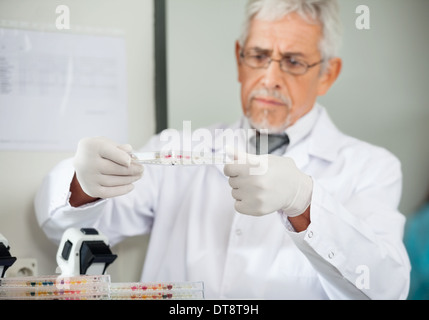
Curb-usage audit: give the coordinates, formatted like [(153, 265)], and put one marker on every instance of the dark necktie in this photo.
[(275, 141)]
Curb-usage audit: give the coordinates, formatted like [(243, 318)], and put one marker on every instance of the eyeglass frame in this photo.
[(307, 66)]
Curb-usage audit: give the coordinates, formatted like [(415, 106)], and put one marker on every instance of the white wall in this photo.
[(202, 77), (22, 172), (380, 96)]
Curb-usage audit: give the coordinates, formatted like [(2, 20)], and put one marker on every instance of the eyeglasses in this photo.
[(289, 64)]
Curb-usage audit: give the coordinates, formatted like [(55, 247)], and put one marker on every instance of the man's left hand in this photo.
[(280, 186)]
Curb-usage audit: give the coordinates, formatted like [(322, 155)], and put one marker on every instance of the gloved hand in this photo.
[(281, 186), (104, 169)]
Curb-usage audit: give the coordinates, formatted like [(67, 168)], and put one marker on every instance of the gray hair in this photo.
[(325, 12)]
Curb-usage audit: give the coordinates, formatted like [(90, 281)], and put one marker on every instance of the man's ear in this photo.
[(329, 76), (238, 59)]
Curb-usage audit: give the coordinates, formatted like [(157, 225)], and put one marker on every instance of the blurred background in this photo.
[(379, 97)]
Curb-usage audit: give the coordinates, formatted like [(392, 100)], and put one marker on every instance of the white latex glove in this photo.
[(104, 169), (281, 186)]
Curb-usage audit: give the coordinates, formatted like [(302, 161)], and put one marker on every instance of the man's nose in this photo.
[(273, 78)]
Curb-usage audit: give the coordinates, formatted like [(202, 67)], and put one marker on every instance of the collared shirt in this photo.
[(351, 250), (295, 133)]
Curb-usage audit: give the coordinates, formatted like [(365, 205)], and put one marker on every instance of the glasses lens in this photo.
[(260, 60), (293, 66), (257, 60)]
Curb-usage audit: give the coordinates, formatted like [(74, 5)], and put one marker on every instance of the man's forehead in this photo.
[(291, 33)]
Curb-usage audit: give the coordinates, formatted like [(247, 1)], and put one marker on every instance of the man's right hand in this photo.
[(105, 169)]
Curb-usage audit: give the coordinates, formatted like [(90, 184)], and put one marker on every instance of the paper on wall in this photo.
[(56, 88)]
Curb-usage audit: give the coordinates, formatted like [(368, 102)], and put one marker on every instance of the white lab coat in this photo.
[(351, 250)]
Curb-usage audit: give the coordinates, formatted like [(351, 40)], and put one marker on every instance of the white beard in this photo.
[(264, 123)]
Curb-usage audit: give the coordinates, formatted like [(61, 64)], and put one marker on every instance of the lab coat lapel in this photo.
[(326, 140), (323, 142), (299, 154)]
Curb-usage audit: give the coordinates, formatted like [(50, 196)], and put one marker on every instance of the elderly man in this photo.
[(319, 222)]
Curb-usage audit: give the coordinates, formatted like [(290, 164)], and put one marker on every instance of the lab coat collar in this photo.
[(296, 133), (303, 126), (312, 135), (326, 139), (314, 132)]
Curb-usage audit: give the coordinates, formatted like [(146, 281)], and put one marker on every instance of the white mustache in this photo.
[(270, 94)]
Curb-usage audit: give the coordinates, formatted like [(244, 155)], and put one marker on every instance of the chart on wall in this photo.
[(56, 88)]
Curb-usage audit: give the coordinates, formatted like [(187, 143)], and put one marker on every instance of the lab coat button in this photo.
[(331, 255), (238, 232), (310, 234)]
